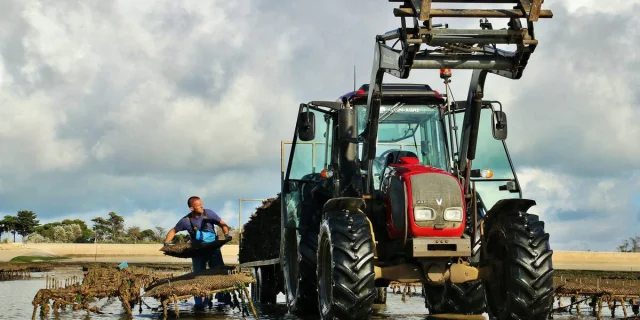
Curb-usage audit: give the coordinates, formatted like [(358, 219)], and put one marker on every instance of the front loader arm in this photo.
[(471, 49), (385, 60)]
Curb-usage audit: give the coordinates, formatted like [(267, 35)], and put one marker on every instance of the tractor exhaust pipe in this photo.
[(347, 154)]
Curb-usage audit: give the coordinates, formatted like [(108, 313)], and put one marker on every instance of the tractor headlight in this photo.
[(453, 214), (423, 214)]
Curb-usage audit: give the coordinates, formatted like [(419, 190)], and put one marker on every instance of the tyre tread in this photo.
[(530, 296), (353, 277)]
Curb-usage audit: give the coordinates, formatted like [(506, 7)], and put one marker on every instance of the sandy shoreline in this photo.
[(116, 253), (150, 253)]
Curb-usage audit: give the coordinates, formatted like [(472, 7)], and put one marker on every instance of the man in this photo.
[(200, 225)]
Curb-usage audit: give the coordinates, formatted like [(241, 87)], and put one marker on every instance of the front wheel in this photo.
[(519, 256), (346, 288)]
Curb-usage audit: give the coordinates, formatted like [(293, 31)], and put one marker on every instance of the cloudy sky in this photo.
[(133, 106)]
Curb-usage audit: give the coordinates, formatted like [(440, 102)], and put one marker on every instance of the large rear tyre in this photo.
[(307, 295), (346, 288), (299, 275), (516, 247)]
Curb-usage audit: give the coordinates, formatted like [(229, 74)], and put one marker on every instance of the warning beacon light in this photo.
[(445, 73)]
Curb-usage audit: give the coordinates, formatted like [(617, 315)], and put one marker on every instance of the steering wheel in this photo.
[(383, 157), (379, 163)]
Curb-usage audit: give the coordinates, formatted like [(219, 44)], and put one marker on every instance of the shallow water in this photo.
[(16, 297)]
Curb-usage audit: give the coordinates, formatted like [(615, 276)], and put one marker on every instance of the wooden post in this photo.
[(164, 308), (246, 294), (35, 310), (599, 308), (175, 305)]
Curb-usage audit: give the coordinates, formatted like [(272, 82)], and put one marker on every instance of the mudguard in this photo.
[(516, 204), (501, 207)]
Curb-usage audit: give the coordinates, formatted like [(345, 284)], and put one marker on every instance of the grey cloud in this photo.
[(594, 234), (567, 216), (575, 108), (55, 195), (582, 208), (573, 117)]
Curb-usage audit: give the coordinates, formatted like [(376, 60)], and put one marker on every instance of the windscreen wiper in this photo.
[(390, 111)]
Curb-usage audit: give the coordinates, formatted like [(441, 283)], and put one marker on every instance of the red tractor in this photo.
[(397, 182)]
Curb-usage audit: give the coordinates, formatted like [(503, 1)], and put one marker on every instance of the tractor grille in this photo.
[(438, 192)]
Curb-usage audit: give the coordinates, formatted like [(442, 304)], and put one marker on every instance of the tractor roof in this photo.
[(394, 92)]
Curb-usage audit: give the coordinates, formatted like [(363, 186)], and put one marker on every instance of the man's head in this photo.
[(195, 205)]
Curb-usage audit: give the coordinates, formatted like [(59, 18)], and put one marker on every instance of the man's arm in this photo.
[(215, 218), (180, 226), (225, 227), (170, 235)]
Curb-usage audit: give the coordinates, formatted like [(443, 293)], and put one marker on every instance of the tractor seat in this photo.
[(394, 157)]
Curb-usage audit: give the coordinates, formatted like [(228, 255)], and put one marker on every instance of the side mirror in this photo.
[(306, 125), (499, 125)]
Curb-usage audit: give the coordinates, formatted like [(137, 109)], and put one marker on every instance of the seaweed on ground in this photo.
[(201, 284), (198, 284), (30, 267), (597, 274), (124, 284), (19, 271), (186, 267), (595, 286)]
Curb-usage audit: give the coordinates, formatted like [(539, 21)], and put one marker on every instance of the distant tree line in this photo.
[(23, 223), (630, 245), (110, 229)]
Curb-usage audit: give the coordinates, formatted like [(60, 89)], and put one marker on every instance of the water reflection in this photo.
[(17, 295)]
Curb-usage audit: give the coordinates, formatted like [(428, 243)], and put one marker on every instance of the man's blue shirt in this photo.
[(212, 219)]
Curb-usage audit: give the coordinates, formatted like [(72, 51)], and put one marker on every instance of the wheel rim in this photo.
[(325, 283)]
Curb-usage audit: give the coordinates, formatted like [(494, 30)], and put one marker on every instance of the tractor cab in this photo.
[(414, 123), (410, 125)]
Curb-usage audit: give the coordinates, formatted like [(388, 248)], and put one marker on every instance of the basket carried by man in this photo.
[(193, 249)]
